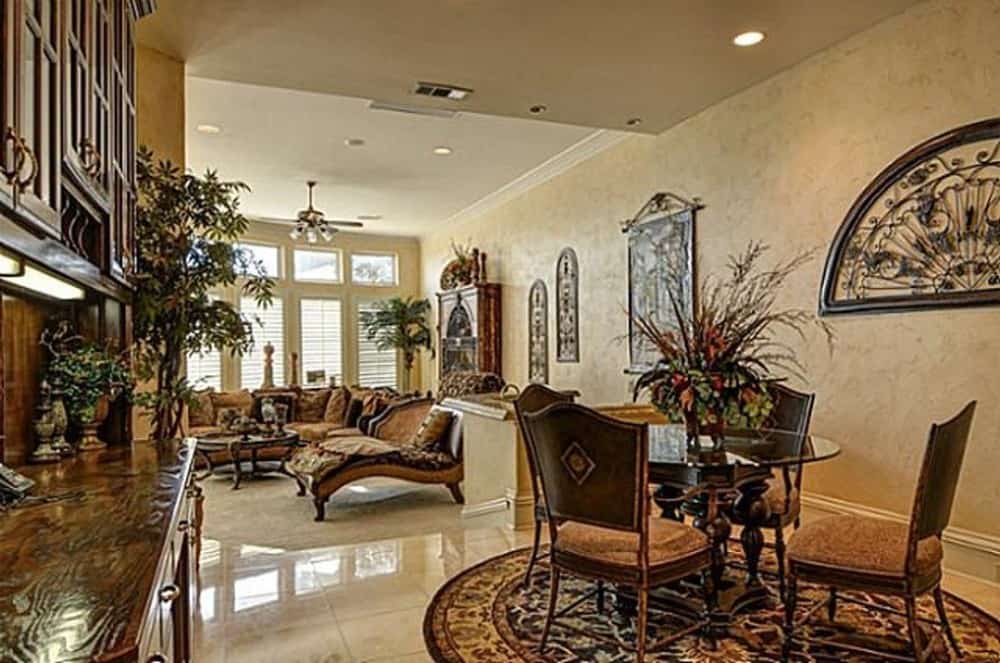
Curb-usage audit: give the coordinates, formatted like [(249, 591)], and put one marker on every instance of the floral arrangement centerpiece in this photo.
[(89, 376), (461, 269), (718, 358)]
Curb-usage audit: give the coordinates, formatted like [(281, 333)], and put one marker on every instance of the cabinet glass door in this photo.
[(8, 134)]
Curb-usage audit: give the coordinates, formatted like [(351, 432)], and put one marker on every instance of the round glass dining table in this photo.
[(732, 479)]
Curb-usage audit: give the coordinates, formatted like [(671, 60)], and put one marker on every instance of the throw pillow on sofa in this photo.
[(336, 406), (241, 400), (201, 413), (432, 430), (311, 405)]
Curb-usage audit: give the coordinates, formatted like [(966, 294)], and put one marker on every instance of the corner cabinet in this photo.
[(470, 328), (67, 116)]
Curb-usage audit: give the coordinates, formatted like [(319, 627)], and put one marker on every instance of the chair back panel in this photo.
[(532, 399), (792, 409), (939, 474), (593, 468)]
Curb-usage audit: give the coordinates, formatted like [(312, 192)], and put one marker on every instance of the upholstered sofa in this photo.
[(314, 414), (414, 439)]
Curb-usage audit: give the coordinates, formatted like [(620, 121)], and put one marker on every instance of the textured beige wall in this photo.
[(160, 127), (782, 162)]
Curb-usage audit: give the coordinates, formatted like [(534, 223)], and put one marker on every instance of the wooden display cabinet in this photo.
[(469, 329)]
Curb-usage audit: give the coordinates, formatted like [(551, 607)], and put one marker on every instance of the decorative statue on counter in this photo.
[(44, 427), (268, 366)]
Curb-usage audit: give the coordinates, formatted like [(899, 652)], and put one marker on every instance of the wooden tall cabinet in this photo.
[(469, 328)]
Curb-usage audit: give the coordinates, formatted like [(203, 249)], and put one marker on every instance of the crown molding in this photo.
[(576, 153)]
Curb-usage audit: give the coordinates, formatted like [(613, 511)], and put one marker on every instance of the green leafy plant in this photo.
[(717, 360), (84, 372), (400, 324), (186, 229)]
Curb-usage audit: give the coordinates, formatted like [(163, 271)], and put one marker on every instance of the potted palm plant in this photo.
[(719, 356), (400, 324)]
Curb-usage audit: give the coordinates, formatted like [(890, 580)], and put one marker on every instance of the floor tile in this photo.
[(390, 634)]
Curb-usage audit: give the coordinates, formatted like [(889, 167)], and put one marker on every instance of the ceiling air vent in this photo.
[(411, 110), (442, 91)]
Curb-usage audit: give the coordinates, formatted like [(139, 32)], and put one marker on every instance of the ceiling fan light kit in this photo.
[(311, 223)]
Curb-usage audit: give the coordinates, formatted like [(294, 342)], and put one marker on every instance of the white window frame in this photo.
[(367, 284), (280, 276), (340, 264), (282, 372), (342, 378)]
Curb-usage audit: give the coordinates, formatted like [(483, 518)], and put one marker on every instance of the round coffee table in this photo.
[(235, 443)]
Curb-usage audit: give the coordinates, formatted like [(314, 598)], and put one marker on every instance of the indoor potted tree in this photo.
[(719, 357), (90, 377), (186, 232), (400, 324)]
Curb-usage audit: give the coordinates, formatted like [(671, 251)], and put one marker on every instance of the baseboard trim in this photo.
[(484, 508), (966, 552)]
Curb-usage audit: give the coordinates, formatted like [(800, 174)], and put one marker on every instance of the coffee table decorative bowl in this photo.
[(248, 439)]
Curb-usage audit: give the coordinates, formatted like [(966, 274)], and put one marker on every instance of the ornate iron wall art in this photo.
[(538, 333), (925, 233), (567, 307), (660, 264)]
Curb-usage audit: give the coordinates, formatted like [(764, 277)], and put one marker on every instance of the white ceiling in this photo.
[(594, 63), (275, 140)]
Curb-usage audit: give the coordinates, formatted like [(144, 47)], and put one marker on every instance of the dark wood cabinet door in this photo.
[(122, 144), (8, 133), (36, 110)]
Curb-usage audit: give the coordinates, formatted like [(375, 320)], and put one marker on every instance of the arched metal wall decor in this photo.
[(925, 233), (567, 307), (661, 268), (538, 333)]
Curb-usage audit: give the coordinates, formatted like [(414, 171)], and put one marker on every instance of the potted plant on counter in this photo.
[(90, 378), (719, 357)]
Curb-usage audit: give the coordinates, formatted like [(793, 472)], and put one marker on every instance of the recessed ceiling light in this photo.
[(538, 109), (634, 121), (354, 142), (369, 217), (209, 129), (748, 38), (442, 150)]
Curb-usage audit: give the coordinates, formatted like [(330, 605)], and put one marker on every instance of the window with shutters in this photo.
[(376, 368), (322, 341), (273, 330), (204, 371)]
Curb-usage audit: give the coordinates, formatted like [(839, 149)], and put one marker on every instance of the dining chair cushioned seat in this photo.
[(669, 541), (866, 545)]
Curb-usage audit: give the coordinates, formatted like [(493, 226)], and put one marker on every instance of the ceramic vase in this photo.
[(89, 440)]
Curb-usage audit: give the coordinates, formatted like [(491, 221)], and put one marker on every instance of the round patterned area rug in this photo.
[(486, 615)]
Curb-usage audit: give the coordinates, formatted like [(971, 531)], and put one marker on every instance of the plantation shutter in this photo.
[(322, 340), (273, 330), (375, 368), (204, 371)]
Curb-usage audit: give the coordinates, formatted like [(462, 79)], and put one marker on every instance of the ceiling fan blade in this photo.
[(346, 224)]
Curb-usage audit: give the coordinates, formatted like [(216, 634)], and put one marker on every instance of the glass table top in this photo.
[(760, 448)]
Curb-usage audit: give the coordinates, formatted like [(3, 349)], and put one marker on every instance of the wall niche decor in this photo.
[(660, 263), (925, 233), (567, 307), (538, 333)]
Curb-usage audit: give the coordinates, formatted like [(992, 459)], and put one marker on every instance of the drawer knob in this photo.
[(156, 657), (169, 593)]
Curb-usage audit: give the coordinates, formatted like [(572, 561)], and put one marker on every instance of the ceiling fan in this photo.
[(312, 224)]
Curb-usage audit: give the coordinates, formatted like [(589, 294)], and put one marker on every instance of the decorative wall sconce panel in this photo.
[(925, 233), (567, 307), (538, 333)]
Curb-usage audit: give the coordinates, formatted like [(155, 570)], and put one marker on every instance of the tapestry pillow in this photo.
[(241, 400), (224, 416), (432, 429), (311, 405), (202, 412), (336, 406)]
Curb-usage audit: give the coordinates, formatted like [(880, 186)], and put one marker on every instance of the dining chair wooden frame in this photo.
[(534, 398), (792, 413), (594, 472), (931, 513)]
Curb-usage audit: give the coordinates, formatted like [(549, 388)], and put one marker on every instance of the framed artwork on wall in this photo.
[(567, 307), (538, 333), (661, 268)]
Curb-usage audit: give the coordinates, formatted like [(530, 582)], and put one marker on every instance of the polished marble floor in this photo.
[(277, 587)]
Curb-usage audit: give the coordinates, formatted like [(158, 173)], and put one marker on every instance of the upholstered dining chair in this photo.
[(792, 412), (534, 398), (884, 557), (594, 472)]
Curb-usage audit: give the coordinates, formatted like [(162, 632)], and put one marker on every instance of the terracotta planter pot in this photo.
[(89, 441)]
